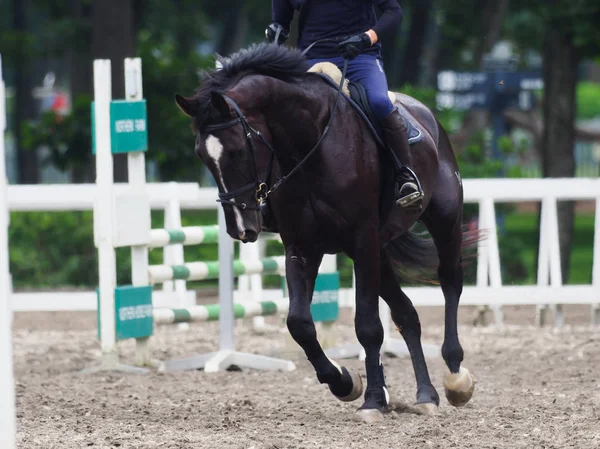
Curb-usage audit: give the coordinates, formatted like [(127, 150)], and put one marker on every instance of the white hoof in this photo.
[(459, 387), (370, 415), (357, 387), (427, 409)]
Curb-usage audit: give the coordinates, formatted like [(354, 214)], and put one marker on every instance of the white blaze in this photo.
[(214, 148)]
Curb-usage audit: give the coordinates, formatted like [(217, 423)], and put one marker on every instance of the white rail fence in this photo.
[(549, 292)]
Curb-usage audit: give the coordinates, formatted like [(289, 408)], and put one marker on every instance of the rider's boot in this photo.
[(407, 186)]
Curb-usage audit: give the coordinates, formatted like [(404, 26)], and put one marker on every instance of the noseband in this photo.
[(261, 185)]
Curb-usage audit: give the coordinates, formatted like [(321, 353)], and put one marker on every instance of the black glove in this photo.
[(352, 46), (271, 33)]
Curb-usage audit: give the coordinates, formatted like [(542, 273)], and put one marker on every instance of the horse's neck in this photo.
[(296, 119)]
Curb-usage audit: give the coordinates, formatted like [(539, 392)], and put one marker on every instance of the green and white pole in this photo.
[(198, 271), (212, 312), (191, 235)]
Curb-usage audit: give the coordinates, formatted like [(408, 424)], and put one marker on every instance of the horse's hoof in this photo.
[(427, 409), (369, 415), (459, 387), (357, 386)]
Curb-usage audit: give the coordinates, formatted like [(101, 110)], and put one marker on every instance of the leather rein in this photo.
[(261, 185)]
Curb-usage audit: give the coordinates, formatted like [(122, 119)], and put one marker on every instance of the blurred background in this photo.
[(516, 83)]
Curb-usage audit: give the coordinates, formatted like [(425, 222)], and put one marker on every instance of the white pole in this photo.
[(483, 261), (596, 264), (250, 286), (136, 165), (136, 172), (556, 279), (103, 223), (174, 254), (226, 317), (543, 278), (7, 384), (494, 257)]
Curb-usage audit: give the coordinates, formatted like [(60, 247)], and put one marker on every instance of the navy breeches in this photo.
[(368, 71)]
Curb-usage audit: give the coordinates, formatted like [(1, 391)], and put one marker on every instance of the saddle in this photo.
[(356, 95)]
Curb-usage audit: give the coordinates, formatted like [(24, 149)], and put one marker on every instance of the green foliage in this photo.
[(68, 138), (576, 19), (588, 100), (171, 142), (53, 249), (48, 249)]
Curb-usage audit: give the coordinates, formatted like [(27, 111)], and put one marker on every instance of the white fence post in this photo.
[(103, 219), (7, 382), (596, 264), (549, 271), (489, 272)]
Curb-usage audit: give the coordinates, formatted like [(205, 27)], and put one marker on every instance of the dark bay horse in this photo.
[(255, 120)]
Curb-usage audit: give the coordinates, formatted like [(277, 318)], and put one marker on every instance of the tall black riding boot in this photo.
[(407, 186)]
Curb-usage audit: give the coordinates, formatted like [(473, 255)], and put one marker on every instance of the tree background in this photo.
[(177, 39)]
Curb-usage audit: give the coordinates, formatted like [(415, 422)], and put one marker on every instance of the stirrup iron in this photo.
[(411, 198)]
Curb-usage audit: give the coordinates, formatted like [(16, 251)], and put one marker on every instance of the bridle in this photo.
[(261, 184)]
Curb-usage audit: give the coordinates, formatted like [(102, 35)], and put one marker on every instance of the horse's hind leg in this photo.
[(444, 222), (301, 272), (406, 318)]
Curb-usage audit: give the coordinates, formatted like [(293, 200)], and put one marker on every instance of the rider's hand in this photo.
[(354, 45), (271, 33)]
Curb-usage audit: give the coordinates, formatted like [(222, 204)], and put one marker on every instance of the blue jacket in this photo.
[(321, 19)]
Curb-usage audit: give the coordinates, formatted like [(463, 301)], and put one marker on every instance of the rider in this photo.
[(356, 22)]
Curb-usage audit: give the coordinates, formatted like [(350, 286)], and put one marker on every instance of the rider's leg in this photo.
[(368, 70)]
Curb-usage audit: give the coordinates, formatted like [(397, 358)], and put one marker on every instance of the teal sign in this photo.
[(133, 312), (128, 126), (325, 303), (324, 306)]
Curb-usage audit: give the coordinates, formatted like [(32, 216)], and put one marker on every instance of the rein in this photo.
[(262, 190)]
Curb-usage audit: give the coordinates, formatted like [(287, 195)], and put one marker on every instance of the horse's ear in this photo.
[(189, 106), (220, 104)]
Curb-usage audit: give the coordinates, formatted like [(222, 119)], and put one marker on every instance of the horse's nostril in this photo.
[(248, 236)]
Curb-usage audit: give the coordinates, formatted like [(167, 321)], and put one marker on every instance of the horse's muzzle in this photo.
[(248, 236)]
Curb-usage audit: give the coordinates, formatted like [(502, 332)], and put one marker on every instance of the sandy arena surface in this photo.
[(536, 388)]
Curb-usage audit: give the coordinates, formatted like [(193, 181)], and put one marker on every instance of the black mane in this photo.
[(278, 61)]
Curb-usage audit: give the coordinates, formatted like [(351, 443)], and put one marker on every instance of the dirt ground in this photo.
[(536, 388)]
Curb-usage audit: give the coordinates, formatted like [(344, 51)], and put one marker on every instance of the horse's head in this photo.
[(232, 138), (234, 146)]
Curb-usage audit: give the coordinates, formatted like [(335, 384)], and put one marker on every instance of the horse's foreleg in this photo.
[(301, 272), (406, 318), (367, 323)]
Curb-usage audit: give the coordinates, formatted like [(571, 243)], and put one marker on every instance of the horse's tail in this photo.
[(415, 258)]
